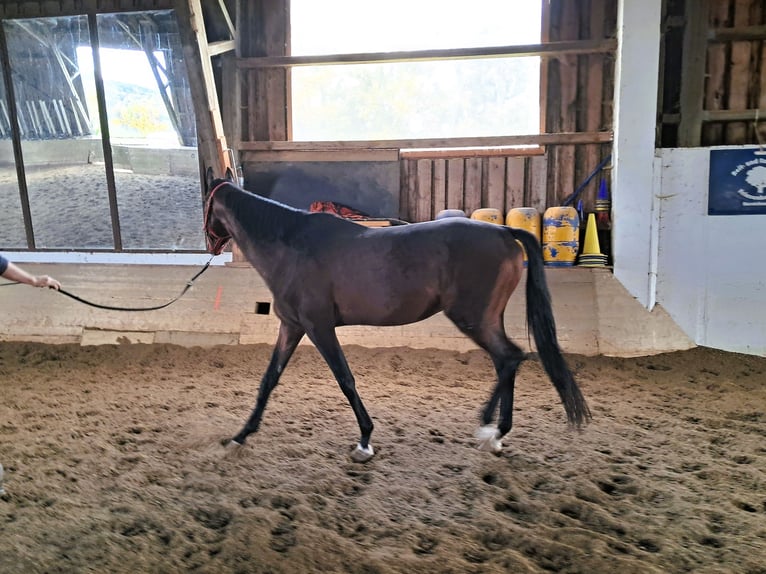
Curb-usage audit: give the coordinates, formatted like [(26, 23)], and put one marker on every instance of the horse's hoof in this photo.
[(230, 443), (360, 454), (488, 439)]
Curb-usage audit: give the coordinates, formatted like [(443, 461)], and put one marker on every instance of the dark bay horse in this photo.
[(324, 272)]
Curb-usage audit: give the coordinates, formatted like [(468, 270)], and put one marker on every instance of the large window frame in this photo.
[(140, 239), (497, 145)]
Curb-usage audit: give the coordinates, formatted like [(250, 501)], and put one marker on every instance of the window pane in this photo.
[(11, 220), (433, 99), (348, 26), (469, 98), (151, 130), (67, 190)]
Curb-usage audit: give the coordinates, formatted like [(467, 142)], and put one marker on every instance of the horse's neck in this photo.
[(261, 227), (255, 219)]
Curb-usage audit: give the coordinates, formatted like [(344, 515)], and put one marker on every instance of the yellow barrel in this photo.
[(561, 236), (528, 219), (488, 214), (444, 213)]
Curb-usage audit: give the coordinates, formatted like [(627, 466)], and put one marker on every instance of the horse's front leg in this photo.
[(287, 340), (327, 344)]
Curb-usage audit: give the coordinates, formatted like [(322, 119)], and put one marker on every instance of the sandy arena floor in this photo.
[(113, 464)]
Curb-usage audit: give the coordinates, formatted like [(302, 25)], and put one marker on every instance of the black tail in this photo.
[(540, 319)]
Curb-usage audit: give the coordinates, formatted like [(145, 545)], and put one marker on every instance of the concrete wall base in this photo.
[(594, 313)]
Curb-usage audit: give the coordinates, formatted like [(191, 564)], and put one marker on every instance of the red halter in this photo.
[(215, 242)]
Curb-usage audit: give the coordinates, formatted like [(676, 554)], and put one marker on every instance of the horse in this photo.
[(324, 272)]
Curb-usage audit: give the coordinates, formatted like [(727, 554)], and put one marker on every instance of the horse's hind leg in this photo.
[(327, 344), (506, 358), (287, 340)]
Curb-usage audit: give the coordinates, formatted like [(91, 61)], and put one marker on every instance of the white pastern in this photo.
[(488, 439), (360, 454)]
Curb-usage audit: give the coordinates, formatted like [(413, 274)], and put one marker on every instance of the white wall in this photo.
[(711, 274)]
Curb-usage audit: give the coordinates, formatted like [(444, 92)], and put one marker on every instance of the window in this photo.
[(124, 166), (430, 98)]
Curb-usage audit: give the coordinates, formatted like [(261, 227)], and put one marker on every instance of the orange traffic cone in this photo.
[(591, 255)]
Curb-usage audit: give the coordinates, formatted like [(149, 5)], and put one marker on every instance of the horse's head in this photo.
[(216, 234)]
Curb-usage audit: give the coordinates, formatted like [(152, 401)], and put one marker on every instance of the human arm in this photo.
[(15, 273)]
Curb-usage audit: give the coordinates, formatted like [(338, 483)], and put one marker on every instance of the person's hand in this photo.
[(46, 281)]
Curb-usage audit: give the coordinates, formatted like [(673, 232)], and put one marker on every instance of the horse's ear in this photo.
[(229, 174), (209, 177)]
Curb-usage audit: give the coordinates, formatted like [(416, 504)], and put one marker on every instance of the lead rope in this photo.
[(188, 286)]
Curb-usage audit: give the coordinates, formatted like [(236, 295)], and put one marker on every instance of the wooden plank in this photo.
[(491, 151), (545, 36), (738, 33), (530, 139), (231, 106), (211, 139), (693, 65), (221, 47), (549, 49), (739, 76), (455, 184), (594, 89), (227, 18), (496, 183), (406, 190), (473, 185), (439, 179), (760, 126), (515, 181), (267, 99), (323, 156), (55, 8), (277, 106), (251, 112), (423, 190), (568, 71), (715, 89), (748, 115), (538, 183)]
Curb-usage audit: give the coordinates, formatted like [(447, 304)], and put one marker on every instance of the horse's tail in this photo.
[(540, 319)]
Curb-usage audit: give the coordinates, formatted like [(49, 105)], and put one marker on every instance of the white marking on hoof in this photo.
[(234, 443), (360, 454), (489, 440)]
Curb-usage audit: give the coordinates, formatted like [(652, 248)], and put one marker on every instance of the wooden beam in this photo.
[(740, 33), (227, 18), (318, 155), (734, 115), (531, 139), (490, 151), (739, 76), (715, 86), (221, 47), (550, 49), (693, 70), (211, 138)]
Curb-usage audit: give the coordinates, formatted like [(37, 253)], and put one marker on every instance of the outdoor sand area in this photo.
[(69, 208), (114, 463)]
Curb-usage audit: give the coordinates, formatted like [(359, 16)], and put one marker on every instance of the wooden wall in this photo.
[(578, 93), (577, 97), (430, 185), (714, 80)]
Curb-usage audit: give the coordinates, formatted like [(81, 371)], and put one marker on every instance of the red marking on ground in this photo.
[(218, 298)]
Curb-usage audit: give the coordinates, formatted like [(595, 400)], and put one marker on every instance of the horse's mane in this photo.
[(261, 216)]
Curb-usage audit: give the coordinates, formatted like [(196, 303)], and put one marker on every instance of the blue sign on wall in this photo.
[(737, 184)]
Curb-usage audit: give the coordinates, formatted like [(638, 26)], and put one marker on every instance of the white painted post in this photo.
[(635, 120)]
